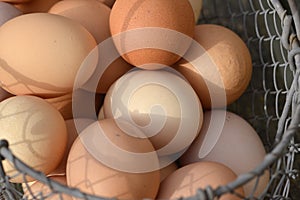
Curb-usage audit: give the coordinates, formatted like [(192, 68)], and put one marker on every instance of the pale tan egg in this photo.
[(55, 49), (166, 171), (34, 6), (185, 181), (36, 133), (107, 163), (165, 29), (64, 104), (159, 103), (237, 146), (74, 128), (37, 189), (91, 14), (222, 55), (197, 7)]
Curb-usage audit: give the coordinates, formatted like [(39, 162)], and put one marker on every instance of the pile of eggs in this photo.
[(124, 99)]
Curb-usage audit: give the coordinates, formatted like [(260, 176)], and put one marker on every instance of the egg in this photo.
[(4, 95), (74, 128), (35, 6), (230, 62), (39, 189), (152, 31), (35, 131), (92, 14), (185, 181), (7, 12), (107, 163), (72, 104), (237, 146), (197, 7), (159, 103), (55, 49), (166, 171)]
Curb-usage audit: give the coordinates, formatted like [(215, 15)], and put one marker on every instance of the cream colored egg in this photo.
[(237, 146), (55, 49), (185, 181), (159, 103), (96, 176), (35, 131), (197, 7)]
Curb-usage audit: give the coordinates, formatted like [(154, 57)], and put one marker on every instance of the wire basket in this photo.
[(271, 29)]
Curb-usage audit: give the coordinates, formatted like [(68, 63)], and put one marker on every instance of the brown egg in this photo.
[(91, 14), (55, 49), (171, 24), (230, 62), (64, 104), (34, 6), (37, 189), (185, 181), (73, 131), (35, 131), (109, 175), (166, 171)]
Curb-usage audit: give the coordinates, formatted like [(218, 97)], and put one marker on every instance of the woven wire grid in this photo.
[(270, 103), (266, 31)]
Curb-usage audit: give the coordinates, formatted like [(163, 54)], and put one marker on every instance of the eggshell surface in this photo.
[(238, 147), (89, 174), (91, 14), (55, 49), (36, 133), (7, 12), (127, 15), (185, 181), (161, 104), (231, 58)]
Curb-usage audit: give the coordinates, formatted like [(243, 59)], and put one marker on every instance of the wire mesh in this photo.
[(271, 30)]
